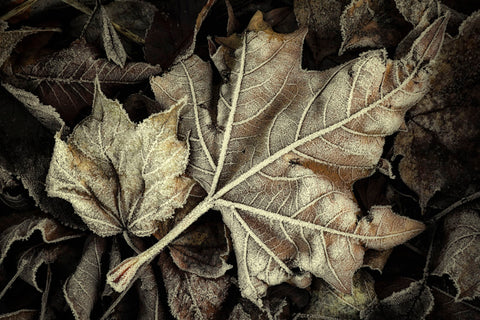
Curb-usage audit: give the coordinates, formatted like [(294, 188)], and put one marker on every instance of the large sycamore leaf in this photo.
[(120, 176), (281, 154)]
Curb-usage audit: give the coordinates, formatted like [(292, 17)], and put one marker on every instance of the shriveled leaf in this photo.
[(442, 145), (328, 303), (412, 303), (36, 257), (192, 297), (10, 39), (120, 176), (45, 114), (26, 149), (371, 24), (65, 79), (275, 309), (280, 156), (51, 231), (24, 314), (461, 251), (81, 288), (202, 250), (111, 42), (414, 11), (150, 307)]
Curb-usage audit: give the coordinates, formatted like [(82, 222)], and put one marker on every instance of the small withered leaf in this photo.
[(82, 287), (51, 231), (120, 176), (111, 41), (190, 296)]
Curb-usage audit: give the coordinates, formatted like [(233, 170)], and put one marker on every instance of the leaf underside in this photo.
[(279, 157)]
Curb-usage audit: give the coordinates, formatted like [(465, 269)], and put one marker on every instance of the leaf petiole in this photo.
[(122, 275)]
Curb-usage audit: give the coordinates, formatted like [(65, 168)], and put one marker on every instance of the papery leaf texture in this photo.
[(279, 157), (81, 288), (65, 79), (120, 176)]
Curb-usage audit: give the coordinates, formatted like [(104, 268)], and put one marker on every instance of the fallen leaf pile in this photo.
[(239, 160)]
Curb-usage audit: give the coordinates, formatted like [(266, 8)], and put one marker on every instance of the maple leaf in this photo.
[(120, 176), (279, 158)]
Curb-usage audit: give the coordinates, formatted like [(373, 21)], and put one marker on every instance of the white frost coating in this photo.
[(121, 176), (281, 161)]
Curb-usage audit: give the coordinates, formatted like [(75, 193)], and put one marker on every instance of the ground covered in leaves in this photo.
[(301, 159)]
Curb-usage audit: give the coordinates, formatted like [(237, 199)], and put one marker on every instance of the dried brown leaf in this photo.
[(460, 253), (51, 231), (371, 24), (202, 250), (26, 149), (442, 144), (150, 305), (65, 79), (120, 176), (271, 182), (10, 39), (24, 314), (82, 287), (412, 303), (192, 297), (446, 308), (111, 42)]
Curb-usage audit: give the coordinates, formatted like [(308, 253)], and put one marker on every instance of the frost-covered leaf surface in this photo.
[(45, 114), (111, 41), (120, 176), (81, 288), (65, 78), (51, 232), (412, 303), (9, 39), (281, 154), (459, 257)]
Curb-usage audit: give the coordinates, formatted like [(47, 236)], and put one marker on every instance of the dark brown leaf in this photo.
[(442, 145), (9, 39), (51, 231), (20, 315), (65, 79), (412, 303), (371, 24), (446, 308), (192, 297), (461, 251)]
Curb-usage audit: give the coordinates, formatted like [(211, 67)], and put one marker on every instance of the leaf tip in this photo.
[(120, 277)]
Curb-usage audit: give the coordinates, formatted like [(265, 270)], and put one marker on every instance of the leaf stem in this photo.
[(454, 206), (122, 275)]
